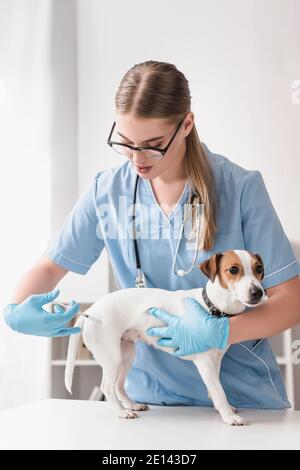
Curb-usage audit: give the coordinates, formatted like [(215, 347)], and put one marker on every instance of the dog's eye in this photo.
[(259, 269), (234, 269)]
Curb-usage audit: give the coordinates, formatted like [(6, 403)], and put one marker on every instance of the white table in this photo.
[(74, 424)]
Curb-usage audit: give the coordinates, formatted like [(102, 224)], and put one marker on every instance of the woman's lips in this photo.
[(143, 169)]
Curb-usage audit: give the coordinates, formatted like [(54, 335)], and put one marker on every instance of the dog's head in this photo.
[(239, 272)]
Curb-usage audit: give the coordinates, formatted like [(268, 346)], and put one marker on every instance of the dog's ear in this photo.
[(210, 267), (259, 259)]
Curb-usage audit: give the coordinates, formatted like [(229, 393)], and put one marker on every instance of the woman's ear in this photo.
[(189, 123), (210, 267)]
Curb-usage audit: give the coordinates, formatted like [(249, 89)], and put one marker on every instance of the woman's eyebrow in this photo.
[(144, 141)]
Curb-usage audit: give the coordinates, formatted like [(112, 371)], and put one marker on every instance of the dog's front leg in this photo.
[(218, 360), (205, 363)]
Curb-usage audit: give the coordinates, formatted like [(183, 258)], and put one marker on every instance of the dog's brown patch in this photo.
[(220, 264), (210, 267), (257, 265), (230, 260)]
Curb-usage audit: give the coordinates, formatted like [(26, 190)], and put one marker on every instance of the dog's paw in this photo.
[(233, 409), (127, 414), (235, 420), (139, 407)]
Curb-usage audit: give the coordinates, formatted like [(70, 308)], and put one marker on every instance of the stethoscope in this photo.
[(140, 280)]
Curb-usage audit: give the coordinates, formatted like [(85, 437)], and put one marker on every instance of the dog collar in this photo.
[(213, 310)]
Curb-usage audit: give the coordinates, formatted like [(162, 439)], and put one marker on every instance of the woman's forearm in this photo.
[(280, 312), (42, 277)]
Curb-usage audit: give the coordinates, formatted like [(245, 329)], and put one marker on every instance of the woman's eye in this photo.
[(156, 145), (234, 270), (259, 269)]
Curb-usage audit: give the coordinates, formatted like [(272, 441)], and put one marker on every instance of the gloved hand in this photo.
[(196, 331), (30, 318)]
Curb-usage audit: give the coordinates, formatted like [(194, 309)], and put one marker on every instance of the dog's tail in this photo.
[(72, 353)]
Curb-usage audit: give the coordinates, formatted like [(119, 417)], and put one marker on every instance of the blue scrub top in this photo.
[(246, 219)]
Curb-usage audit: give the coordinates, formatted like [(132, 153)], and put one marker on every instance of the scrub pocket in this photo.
[(251, 376), (262, 349)]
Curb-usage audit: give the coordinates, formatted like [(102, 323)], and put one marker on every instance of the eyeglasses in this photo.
[(149, 152)]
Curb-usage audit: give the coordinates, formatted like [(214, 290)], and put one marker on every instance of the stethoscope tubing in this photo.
[(140, 280)]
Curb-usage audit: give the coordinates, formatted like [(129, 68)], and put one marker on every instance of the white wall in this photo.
[(25, 154)]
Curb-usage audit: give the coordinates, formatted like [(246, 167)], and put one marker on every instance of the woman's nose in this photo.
[(139, 160)]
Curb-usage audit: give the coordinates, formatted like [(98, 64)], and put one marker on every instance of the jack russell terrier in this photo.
[(113, 323)]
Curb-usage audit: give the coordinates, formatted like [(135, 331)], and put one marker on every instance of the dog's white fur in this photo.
[(121, 317)]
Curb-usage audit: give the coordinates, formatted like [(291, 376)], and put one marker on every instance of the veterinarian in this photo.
[(153, 111)]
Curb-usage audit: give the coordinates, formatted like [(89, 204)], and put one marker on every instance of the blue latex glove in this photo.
[(30, 318), (196, 331)]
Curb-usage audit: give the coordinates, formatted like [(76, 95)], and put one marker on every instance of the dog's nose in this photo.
[(255, 293)]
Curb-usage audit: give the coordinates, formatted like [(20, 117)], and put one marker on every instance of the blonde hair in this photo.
[(155, 89)]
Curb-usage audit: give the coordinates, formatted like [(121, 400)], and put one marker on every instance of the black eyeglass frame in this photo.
[(162, 151)]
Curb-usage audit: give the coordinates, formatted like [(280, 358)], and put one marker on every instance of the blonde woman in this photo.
[(166, 167)]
